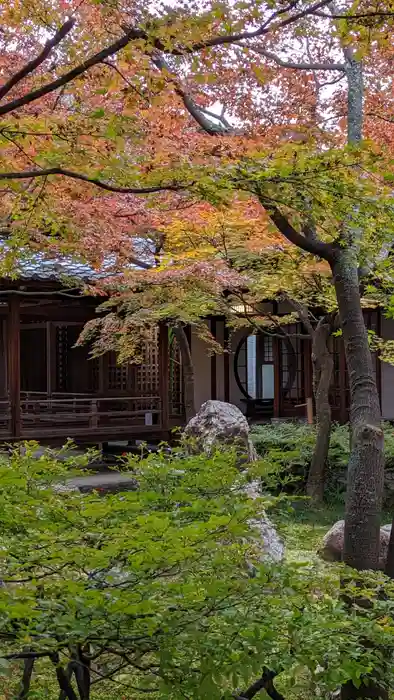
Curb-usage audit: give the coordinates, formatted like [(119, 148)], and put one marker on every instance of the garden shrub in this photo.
[(148, 592), (288, 447)]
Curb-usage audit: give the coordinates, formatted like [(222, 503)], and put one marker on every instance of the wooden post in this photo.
[(213, 363), (226, 363), (309, 410), (277, 378), (51, 358), (164, 376), (14, 361)]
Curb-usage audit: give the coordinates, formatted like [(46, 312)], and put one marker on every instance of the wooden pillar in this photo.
[(164, 376), (14, 361), (277, 378), (102, 364), (226, 363), (51, 357), (213, 363)]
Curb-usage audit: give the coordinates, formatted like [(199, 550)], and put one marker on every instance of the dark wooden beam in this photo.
[(51, 357), (14, 361), (277, 378), (213, 363), (164, 390), (307, 348)]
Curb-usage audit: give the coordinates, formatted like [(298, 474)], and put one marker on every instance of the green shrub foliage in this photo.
[(148, 591), (287, 449)]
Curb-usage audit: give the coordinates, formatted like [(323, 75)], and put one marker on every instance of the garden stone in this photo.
[(331, 548), (265, 537), (218, 423)]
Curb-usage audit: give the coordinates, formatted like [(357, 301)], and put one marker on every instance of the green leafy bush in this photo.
[(148, 591), (288, 447)]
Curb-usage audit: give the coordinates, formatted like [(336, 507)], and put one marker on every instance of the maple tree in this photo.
[(94, 96), (118, 103)]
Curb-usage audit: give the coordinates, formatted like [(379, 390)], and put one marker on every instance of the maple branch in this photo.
[(241, 36), (202, 116), (310, 245), (133, 34), (358, 15), (380, 116), (297, 65), (99, 57), (36, 62), (29, 174), (302, 312), (266, 682), (198, 114)]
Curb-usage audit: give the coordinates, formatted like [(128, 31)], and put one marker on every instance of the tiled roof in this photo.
[(41, 268)]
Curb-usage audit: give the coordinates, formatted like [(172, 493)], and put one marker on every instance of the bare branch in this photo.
[(36, 62), (45, 172), (298, 65), (199, 114)]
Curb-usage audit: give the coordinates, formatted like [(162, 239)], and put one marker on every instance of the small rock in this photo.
[(332, 545), (218, 423), (264, 536)]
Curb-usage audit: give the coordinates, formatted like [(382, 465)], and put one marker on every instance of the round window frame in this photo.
[(292, 367)]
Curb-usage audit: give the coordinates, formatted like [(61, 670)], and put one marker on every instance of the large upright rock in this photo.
[(331, 548), (218, 423)]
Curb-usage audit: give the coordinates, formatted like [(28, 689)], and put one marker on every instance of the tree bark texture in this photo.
[(366, 463), (187, 370), (323, 364)]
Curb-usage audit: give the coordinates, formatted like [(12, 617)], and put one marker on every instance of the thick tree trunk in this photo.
[(323, 365), (366, 466), (366, 463), (188, 371)]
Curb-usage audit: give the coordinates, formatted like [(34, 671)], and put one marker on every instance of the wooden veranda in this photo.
[(51, 390)]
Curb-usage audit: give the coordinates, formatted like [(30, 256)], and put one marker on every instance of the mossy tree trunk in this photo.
[(323, 365)]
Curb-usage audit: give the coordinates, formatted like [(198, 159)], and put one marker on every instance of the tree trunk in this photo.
[(187, 370), (323, 365), (366, 463), (366, 466)]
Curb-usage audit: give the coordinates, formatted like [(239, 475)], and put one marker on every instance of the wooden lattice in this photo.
[(61, 358), (117, 374), (175, 378), (147, 373)]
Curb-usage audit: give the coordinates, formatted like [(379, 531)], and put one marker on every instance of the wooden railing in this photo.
[(82, 415)]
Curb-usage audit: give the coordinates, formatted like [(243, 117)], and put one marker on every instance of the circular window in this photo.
[(254, 366)]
